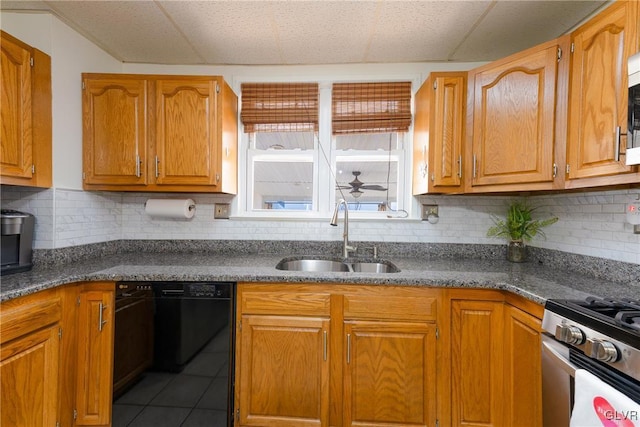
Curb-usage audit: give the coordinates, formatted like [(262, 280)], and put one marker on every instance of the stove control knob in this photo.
[(569, 334), (603, 351)]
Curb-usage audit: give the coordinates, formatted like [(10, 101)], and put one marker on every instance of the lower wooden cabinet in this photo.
[(496, 377), (29, 360), (94, 340), (476, 360), (389, 375), (522, 372), (56, 357), (336, 355), (285, 371)]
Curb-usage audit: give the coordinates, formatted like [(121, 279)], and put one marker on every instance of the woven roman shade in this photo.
[(279, 107), (371, 107)]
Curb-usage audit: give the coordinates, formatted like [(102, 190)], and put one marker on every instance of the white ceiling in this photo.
[(314, 32)]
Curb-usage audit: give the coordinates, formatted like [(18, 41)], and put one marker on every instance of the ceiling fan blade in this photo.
[(373, 187), (343, 187)]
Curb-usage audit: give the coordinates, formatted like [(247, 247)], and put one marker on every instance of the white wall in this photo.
[(71, 55)]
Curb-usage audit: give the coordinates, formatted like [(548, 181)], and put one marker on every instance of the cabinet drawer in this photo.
[(389, 307), (24, 315), (285, 302)]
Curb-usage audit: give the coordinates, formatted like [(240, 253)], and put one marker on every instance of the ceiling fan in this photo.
[(356, 186)]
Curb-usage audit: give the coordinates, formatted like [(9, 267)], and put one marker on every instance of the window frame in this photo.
[(324, 174)]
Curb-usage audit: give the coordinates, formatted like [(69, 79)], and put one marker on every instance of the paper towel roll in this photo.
[(170, 208)]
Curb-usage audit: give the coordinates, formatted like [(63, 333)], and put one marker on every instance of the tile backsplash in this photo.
[(590, 223)]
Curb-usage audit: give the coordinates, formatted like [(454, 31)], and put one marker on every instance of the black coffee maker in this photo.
[(17, 241)]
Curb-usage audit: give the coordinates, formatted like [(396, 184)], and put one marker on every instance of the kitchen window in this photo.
[(292, 172)]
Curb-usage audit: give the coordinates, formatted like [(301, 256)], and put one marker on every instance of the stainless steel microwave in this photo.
[(633, 125)]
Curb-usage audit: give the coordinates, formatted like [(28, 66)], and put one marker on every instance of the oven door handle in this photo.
[(558, 359)]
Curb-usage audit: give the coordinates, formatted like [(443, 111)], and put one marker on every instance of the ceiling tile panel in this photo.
[(316, 32), (512, 26), (132, 31), (409, 31), (226, 32)]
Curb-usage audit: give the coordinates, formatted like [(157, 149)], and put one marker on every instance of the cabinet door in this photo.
[(186, 132), (134, 335), (16, 139), (95, 358), (477, 363), (438, 133), (523, 374), (390, 374), (447, 127), (513, 120), (114, 130), (29, 372), (599, 93), (284, 366)]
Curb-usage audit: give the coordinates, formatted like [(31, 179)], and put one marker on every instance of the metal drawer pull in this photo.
[(348, 348), (101, 322)]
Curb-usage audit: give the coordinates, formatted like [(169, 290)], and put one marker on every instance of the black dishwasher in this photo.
[(187, 316), (187, 319)]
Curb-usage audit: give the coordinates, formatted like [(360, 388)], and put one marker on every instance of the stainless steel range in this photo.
[(602, 337)]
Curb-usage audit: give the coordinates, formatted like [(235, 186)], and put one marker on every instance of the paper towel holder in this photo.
[(170, 208), (191, 207)]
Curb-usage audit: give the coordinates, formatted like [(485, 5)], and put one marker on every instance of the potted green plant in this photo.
[(518, 227)]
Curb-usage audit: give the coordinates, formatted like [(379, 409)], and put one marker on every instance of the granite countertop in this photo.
[(533, 280)]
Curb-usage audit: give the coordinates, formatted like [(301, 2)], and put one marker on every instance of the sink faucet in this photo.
[(346, 248)]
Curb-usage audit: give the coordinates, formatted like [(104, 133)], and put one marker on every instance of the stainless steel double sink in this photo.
[(319, 265)]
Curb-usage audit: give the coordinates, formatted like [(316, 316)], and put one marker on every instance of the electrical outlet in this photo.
[(221, 211), (429, 210)]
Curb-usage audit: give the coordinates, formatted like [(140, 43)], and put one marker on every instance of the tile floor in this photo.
[(195, 397)]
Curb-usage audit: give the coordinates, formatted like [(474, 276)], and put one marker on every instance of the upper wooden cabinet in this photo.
[(25, 113), (115, 130), (599, 95), (159, 133), (513, 144), (438, 133)]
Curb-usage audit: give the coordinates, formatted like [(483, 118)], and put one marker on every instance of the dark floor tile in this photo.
[(184, 391), (146, 389), (206, 418), (206, 364), (216, 395), (154, 416), (219, 343), (224, 370), (123, 414)]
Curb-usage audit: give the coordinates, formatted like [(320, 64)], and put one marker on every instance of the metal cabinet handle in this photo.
[(101, 322), (348, 348), (157, 168), (459, 166), (475, 165), (138, 166), (324, 346), (616, 152)]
